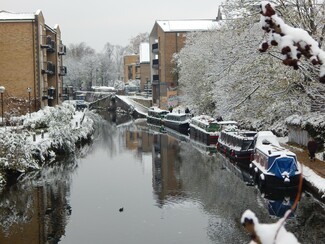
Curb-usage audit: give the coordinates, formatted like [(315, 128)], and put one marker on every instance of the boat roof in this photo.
[(205, 119), (156, 109), (227, 122), (268, 143), (177, 114), (241, 134)]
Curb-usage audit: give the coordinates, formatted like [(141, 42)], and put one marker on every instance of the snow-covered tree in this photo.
[(232, 79)]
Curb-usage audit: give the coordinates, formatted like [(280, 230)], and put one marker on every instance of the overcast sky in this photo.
[(97, 22)]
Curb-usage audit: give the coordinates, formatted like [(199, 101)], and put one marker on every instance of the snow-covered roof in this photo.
[(204, 119), (144, 52), (227, 122), (5, 15), (268, 143), (187, 25)]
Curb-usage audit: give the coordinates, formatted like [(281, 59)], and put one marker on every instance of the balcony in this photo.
[(50, 69), (62, 50), (63, 71), (49, 44), (155, 79), (155, 63), (154, 48)]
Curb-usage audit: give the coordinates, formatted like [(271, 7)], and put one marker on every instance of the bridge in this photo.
[(136, 106)]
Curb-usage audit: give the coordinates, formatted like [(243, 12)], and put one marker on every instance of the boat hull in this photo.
[(203, 136), (154, 121), (269, 181), (182, 128), (240, 156)]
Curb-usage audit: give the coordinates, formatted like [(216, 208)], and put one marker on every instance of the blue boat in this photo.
[(273, 166)]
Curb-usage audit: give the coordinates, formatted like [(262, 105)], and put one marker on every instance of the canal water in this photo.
[(133, 184)]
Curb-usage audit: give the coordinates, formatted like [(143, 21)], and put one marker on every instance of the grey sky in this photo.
[(97, 22)]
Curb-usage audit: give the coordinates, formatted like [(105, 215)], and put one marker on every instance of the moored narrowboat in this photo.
[(205, 129), (155, 116), (237, 144), (178, 122), (272, 165)]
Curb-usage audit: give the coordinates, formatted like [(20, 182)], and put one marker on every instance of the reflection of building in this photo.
[(139, 140), (166, 38), (38, 215), (164, 153), (31, 57)]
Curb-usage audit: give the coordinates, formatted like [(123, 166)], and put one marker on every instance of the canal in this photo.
[(135, 185)]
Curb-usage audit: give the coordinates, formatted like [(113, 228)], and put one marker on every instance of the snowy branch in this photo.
[(293, 42)]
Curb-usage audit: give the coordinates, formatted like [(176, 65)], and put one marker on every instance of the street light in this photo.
[(29, 89), (2, 90)]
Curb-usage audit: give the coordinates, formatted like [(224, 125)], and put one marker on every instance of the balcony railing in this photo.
[(63, 71), (62, 50), (155, 79), (50, 69), (155, 63), (49, 44), (154, 48)]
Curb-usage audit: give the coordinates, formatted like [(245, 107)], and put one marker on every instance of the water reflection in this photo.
[(36, 208), (183, 193)]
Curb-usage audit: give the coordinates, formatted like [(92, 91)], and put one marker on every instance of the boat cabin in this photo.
[(272, 157), (177, 117), (238, 140), (157, 113)]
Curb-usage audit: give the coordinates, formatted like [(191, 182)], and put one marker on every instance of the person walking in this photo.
[(312, 148)]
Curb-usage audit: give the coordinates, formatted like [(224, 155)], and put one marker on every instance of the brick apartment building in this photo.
[(30, 57), (166, 38), (137, 67), (145, 81), (131, 67)]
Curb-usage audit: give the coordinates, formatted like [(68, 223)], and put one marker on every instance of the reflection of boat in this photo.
[(237, 169), (278, 202), (203, 148), (274, 166), (236, 144), (178, 122), (279, 207), (155, 115), (205, 129)]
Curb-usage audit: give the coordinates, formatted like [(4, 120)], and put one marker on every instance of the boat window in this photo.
[(247, 144)]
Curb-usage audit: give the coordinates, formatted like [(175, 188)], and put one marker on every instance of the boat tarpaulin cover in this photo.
[(283, 164)]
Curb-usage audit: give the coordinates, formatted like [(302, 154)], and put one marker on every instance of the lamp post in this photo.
[(29, 91), (2, 90)]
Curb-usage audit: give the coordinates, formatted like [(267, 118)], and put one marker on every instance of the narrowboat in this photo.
[(205, 129), (272, 166), (237, 144), (178, 122), (155, 116)]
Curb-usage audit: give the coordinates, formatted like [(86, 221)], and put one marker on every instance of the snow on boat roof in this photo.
[(205, 119), (177, 114), (268, 143), (242, 134), (227, 122)]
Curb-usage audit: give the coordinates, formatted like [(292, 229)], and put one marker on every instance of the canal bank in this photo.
[(32, 141), (313, 171)]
